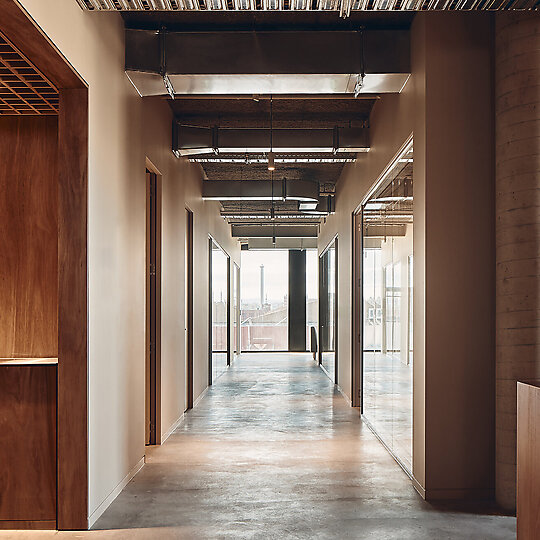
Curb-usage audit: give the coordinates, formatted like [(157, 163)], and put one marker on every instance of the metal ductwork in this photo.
[(274, 231), (191, 140), (383, 231), (260, 190), (281, 243), (326, 204), (286, 62)]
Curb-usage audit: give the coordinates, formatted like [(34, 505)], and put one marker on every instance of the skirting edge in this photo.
[(97, 513), (171, 430), (201, 395)]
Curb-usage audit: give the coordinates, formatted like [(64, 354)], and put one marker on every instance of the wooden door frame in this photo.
[(357, 310), (72, 404), (153, 311), (189, 309), (335, 243)]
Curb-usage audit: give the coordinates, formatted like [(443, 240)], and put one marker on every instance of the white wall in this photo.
[(123, 131), (181, 188)]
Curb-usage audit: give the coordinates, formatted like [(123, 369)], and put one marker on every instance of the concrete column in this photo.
[(517, 110), (454, 255)]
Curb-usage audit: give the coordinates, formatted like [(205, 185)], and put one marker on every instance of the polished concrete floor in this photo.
[(274, 452)]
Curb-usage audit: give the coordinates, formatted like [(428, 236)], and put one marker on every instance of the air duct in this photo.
[(266, 63), (192, 140), (260, 190), (279, 231)]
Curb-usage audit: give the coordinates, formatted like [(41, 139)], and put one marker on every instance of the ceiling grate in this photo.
[(24, 90), (343, 6)]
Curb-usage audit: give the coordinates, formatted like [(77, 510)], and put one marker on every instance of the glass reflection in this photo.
[(219, 263), (387, 225), (327, 315)]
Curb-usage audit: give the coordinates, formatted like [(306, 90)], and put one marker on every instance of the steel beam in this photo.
[(282, 243), (279, 231), (260, 190)]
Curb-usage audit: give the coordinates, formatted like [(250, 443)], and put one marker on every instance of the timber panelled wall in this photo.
[(111, 132)]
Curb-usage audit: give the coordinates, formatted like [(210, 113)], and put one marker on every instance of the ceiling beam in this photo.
[(287, 62), (281, 243), (277, 231), (260, 190), (191, 140)]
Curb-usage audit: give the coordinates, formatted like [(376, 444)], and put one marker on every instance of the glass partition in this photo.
[(387, 239), (235, 311), (312, 294), (219, 286), (328, 310), (264, 282)]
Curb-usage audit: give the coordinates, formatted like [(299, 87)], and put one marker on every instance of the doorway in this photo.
[(153, 307), (219, 320), (189, 310), (384, 231), (328, 310), (236, 310)]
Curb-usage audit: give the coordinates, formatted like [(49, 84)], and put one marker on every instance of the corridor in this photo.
[(273, 451)]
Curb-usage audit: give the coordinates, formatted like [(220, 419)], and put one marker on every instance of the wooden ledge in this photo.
[(28, 361)]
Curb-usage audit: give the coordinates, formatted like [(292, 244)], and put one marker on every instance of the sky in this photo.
[(276, 267)]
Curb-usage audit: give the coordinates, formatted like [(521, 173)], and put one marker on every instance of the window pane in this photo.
[(264, 282), (312, 288), (219, 311), (387, 289)]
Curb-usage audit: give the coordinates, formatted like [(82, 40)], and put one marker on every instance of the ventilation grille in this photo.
[(24, 90), (343, 6)]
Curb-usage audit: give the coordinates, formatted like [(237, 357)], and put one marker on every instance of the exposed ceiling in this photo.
[(251, 89), (390, 208), (190, 45), (344, 7), (322, 169), (260, 20)]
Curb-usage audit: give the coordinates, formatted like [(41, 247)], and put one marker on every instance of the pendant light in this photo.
[(271, 157), (362, 75)]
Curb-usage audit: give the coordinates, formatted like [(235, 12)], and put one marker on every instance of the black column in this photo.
[(297, 300)]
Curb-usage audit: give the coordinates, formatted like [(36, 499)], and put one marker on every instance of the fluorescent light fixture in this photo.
[(223, 159), (392, 199), (308, 205), (279, 150)]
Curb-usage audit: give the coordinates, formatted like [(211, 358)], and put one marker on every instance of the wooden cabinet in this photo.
[(528, 460), (28, 446)]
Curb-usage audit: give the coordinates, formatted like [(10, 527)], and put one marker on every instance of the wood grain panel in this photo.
[(28, 237), (72, 310), (28, 462), (528, 462), (28, 525)]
